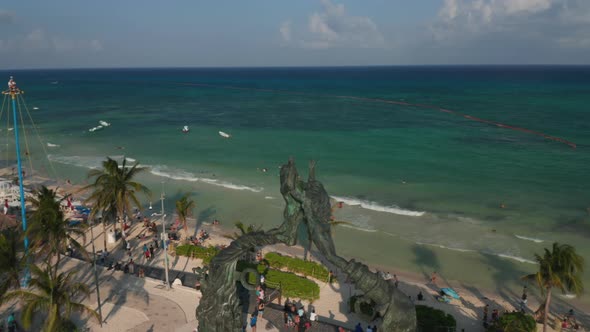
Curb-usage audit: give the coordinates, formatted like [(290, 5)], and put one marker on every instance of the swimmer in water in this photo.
[(121, 147)]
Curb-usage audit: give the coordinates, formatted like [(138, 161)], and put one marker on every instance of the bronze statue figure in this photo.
[(306, 202)]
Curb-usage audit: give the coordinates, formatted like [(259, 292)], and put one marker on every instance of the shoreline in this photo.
[(411, 279)]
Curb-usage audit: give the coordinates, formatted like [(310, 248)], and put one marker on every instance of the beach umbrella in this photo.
[(450, 292)]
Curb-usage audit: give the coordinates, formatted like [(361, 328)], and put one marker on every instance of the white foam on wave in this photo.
[(515, 258), (362, 229), (445, 247), (86, 162), (131, 160), (268, 197), (507, 256), (376, 207), (568, 296), (529, 238), (51, 145), (181, 175)]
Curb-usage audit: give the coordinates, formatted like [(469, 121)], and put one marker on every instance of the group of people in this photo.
[(569, 321), (260, 303), (359, 328), (297, 318)]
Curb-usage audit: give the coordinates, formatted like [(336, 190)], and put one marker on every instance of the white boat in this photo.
[(224, 134), (35, 108), (185, 129), (95, 128), (51, 145), (104, 123)]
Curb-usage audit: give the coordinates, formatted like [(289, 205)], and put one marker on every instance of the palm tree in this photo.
[(184, 209), (113, 190), (54, 295), (12, 259), (559, 268), (243, 230), (49, 231)]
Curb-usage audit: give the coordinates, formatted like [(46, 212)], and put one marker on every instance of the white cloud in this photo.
[(39, 41), (285, 31), (334, 27)]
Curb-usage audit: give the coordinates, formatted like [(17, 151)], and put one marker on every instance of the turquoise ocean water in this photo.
[(423, 188)]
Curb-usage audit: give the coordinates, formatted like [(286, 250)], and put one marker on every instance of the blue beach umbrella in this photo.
[(450, 292)]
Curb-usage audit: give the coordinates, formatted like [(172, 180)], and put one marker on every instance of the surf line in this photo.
[(394, 102)]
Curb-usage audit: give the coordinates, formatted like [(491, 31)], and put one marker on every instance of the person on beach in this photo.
[(156, 242), (485, 312), (5, 206), (151, 250), (369, 328), (420, 296), (374, 328), (396, 281), (433, 278), (131, 267)]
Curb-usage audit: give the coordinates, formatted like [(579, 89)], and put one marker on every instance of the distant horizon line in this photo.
[(297, 67)]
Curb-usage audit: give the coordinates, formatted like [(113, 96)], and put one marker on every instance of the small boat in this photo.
[(104, 123), (35, 108), (95, 128), (224, 134), (185, 129)]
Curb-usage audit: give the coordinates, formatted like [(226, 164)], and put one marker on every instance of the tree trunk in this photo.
[(104, 234), (547, 301), (58, 258)]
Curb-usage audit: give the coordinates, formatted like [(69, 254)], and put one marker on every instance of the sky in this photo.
[(244, 33)]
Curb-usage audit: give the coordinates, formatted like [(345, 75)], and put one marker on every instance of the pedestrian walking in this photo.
[(253, 321)]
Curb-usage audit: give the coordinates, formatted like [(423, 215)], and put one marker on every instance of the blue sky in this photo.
[(68, 33)]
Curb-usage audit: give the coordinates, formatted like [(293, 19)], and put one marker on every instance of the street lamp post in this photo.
[(96, 273), (165, 239)]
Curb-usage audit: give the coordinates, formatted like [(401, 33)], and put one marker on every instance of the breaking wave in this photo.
[(376, 207)]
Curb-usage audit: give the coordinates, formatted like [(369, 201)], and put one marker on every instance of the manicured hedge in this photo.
[(292, 285), (189, 250), (433, 320), (298, 266)]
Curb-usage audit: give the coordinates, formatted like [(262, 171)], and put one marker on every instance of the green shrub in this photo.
[(297, 265), (514, 322), (433, 320), (292, 285), (189, 250)]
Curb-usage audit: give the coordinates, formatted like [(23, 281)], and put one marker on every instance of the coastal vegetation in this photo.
[(204, 253), (12, 260), (561, 268), (49, 232), (49, 292), (291, 285), (184, 209), (433, 320), (243, 230), (56, 296), (297, 266), (114, 191), (514, 322)]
